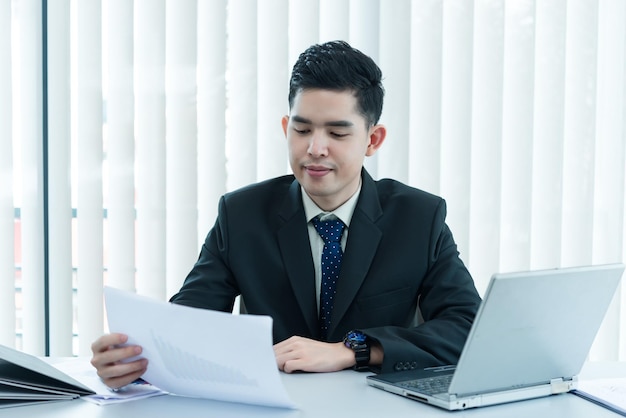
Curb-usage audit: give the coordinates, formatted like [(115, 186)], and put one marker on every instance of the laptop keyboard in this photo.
[(430, 385)]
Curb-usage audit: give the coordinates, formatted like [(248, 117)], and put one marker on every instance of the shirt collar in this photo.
[(343, 212)]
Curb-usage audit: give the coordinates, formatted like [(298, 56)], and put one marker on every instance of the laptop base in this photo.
[(456, 402)]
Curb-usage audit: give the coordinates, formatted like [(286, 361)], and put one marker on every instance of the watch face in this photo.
[(356, 336)]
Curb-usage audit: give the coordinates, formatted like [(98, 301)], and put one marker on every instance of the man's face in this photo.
[(328, 140)]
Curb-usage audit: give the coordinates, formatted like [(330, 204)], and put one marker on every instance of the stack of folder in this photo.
[(26, 379)]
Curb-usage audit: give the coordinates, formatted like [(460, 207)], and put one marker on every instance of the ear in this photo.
[(285, 122), (377, 137)]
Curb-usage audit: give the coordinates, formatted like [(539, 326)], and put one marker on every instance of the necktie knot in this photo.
[(330, 230)]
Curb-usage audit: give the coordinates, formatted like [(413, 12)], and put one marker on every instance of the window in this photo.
[(122, 122)]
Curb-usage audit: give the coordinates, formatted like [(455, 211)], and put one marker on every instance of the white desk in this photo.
[(327, 395)]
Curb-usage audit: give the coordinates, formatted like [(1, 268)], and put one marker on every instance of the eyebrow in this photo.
[(336, 123)]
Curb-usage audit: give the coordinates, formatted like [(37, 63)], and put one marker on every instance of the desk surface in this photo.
[(327, 394)]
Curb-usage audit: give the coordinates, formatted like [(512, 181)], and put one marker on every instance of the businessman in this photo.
[(354, 272)]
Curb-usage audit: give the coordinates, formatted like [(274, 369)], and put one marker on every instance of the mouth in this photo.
[(316, 170)]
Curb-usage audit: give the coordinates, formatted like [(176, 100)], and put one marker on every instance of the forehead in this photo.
[(323, 105)]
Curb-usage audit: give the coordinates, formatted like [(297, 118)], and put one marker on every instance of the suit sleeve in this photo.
[(448, 302), (211, 283)]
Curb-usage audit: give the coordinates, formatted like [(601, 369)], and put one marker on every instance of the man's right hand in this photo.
[(110, 359)]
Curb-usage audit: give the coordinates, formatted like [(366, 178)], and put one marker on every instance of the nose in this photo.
[(318, 145)]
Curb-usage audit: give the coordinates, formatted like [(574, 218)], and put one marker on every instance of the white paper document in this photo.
[(198, 352)]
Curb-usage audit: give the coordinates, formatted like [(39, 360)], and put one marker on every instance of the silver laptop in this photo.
[(530, 338)]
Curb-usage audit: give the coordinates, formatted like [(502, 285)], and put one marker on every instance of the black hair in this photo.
[(338, 66)]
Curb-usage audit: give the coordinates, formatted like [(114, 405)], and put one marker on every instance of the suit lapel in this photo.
[(293, 240), (363, 239)]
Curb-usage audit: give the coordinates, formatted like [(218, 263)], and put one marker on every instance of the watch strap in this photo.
[(359, 343)]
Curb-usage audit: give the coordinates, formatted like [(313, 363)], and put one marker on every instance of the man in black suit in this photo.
[(395, 257)]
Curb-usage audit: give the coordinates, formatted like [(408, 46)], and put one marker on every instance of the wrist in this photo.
[(376, 353), (346, 358)]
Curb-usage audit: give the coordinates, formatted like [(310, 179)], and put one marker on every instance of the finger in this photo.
[(282, 358), (291, 358), (120, 370), (280, 349), (295, 365), (280, 364), (120, 381), (106, 341), (115, 355)]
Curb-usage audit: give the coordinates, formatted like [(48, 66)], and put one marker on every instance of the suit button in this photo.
[(399, 366), (413, 365)]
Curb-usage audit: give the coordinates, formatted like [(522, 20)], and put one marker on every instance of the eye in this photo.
[(302, 131), (339, 134)]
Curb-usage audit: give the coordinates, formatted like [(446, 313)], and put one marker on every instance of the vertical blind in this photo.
[(513, 111), (60, 184)]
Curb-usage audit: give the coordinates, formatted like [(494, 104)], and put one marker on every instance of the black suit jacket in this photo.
[(399, 255)]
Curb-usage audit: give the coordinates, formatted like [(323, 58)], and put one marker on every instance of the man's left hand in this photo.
[(307, 355)]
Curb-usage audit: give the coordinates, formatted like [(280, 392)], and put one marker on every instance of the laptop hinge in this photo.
[(562, 386)]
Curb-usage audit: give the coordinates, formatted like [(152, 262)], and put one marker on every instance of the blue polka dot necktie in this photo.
[(330, 231)]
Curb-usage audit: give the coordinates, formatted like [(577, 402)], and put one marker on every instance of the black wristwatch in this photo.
[(358, 342)]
